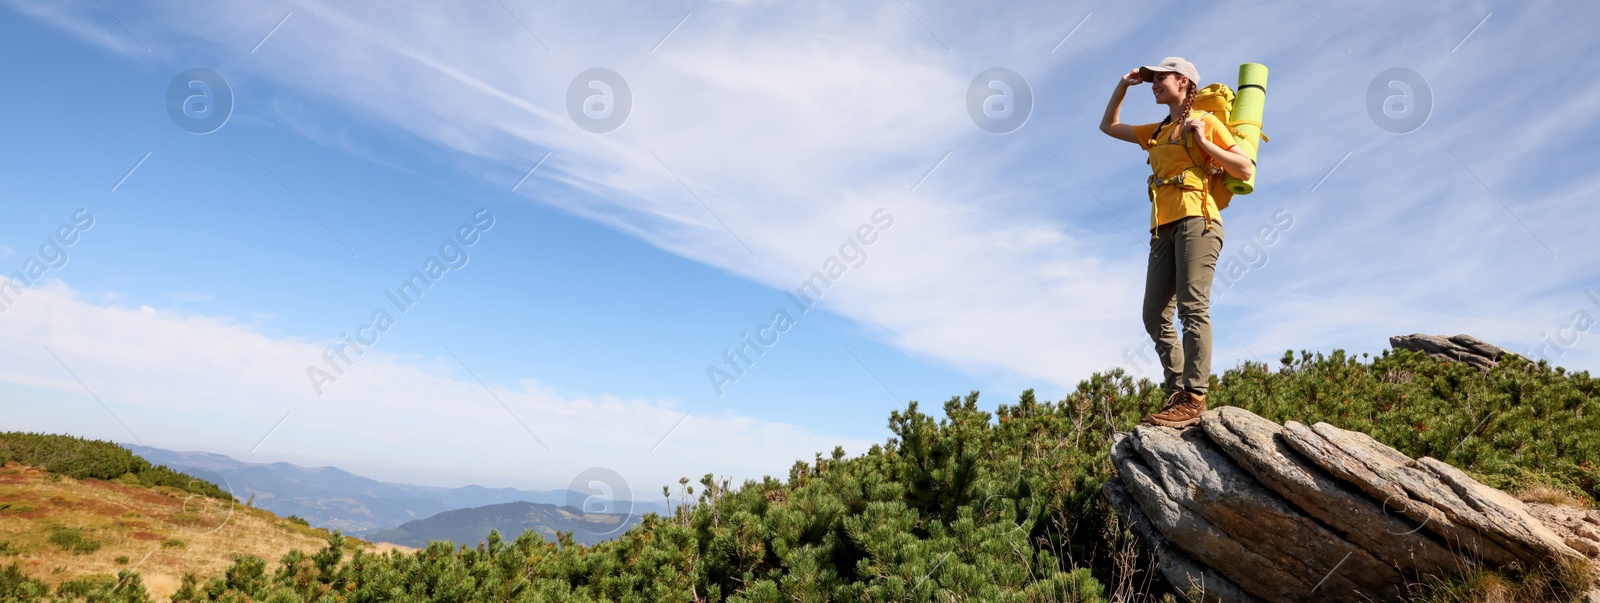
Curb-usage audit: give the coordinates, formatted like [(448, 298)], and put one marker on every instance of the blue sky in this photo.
[(761, 137)]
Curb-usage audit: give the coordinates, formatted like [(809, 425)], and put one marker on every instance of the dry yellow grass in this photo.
[(1549, 496), (161, 532)]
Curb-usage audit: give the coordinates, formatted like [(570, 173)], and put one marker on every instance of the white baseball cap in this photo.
[(1177, 65)]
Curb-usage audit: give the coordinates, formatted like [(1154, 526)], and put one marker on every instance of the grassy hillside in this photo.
[(80, 458), (980, 506), (82, 531)]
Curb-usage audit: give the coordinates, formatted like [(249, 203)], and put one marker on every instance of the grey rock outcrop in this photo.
[(1455, 348), (1170, 560), (1257, 511), (1258, 446), (1222, 518), (1469, 515)]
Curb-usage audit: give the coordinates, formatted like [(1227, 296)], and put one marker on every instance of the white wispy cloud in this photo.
[(191, 381)]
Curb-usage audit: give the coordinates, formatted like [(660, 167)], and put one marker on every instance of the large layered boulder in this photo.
[(1453, 348), (1243, 509)]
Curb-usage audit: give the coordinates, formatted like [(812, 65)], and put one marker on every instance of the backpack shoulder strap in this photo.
[(1156, 133), (1199, 161)]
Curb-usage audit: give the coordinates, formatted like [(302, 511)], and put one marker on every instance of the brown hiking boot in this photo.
[(1182, 409)]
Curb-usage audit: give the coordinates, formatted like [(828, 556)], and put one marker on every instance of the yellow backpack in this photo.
[(1216, 99)]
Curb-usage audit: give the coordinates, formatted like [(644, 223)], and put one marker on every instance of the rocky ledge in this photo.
[(1244, 509), (1454, 348)]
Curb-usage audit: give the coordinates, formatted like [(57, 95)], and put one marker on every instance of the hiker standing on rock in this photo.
[(1185, 227)]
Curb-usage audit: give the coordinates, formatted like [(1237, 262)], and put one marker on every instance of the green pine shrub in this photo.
[(125, 587), (17, 586), (72, 539)]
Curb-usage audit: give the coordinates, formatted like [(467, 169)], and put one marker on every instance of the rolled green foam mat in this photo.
[(1249, 102)]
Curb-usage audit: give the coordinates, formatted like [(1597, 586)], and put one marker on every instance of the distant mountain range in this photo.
[(471, 526), (333, 498)]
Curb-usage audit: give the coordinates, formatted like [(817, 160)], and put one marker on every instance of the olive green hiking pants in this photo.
[(1183, 257)]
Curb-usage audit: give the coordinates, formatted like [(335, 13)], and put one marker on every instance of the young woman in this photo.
[(1186, 151)]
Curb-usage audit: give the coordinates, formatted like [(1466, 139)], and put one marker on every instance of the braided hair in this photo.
[(1188, 103)]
